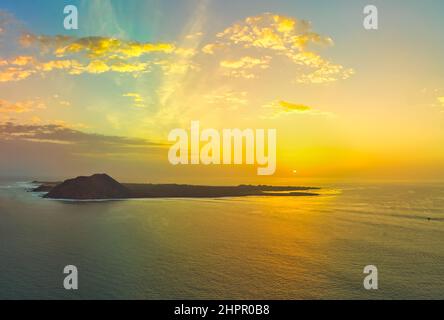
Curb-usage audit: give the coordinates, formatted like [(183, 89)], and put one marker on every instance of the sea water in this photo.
[(228, 248)]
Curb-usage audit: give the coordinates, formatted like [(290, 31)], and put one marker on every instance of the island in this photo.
[(102, 187)]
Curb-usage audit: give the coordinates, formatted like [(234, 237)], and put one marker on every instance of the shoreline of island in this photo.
[(103, 187)]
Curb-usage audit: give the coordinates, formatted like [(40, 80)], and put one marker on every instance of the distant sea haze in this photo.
[(226, 248)]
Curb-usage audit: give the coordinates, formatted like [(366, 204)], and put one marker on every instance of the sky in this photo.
[(346, 102)]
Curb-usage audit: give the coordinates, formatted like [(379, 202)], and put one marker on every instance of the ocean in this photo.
[(228, 248)]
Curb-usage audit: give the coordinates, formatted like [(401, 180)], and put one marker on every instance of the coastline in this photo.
[(97, 187)]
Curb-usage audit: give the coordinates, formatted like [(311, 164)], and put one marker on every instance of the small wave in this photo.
[(19, 185)]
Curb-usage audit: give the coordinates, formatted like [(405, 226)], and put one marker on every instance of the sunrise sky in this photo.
[(347, 103)]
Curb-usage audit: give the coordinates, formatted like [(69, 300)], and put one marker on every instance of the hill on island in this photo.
[(102, 186), (97, 186)]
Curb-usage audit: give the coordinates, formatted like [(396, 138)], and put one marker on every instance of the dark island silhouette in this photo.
[(102, 187)]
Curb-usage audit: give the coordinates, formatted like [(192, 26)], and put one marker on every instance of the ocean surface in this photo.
[(231, 248)]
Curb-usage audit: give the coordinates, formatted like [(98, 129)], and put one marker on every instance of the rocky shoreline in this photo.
[(102, 186)]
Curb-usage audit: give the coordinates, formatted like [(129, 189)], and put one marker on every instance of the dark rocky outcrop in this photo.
[(98, 186), (43, 186)]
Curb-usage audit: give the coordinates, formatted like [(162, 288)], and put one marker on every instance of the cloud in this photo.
[(31, 105), (280, 107), (135, 68), (22, 67), (97, 66), (94, 55), (13, 74), (194, 35), (283, 37), (176, 67), (212, 47), (242, 68), (319, 69), (16, 69), (62, 134), (190, 73), (293, 107), (21, 106), (272, 31), (73, 66), (441, 100), (94, 47), (185, 52), (138, 100), (58, 100), (228, 99), (21, 61)]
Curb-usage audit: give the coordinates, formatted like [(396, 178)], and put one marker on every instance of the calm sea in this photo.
[(233, 248)]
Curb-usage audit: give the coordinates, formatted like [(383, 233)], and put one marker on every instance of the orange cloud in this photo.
[(14, 74), (22, 60), (21, 106)]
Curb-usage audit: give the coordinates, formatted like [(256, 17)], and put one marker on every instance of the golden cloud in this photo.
[(21, 67), (293, 106), (97, 66), (138, 100), (280, 107), (241, 68), (133, 67), (94, 47), (95, 55), (56, 65), (273, 31), (283, 36)]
